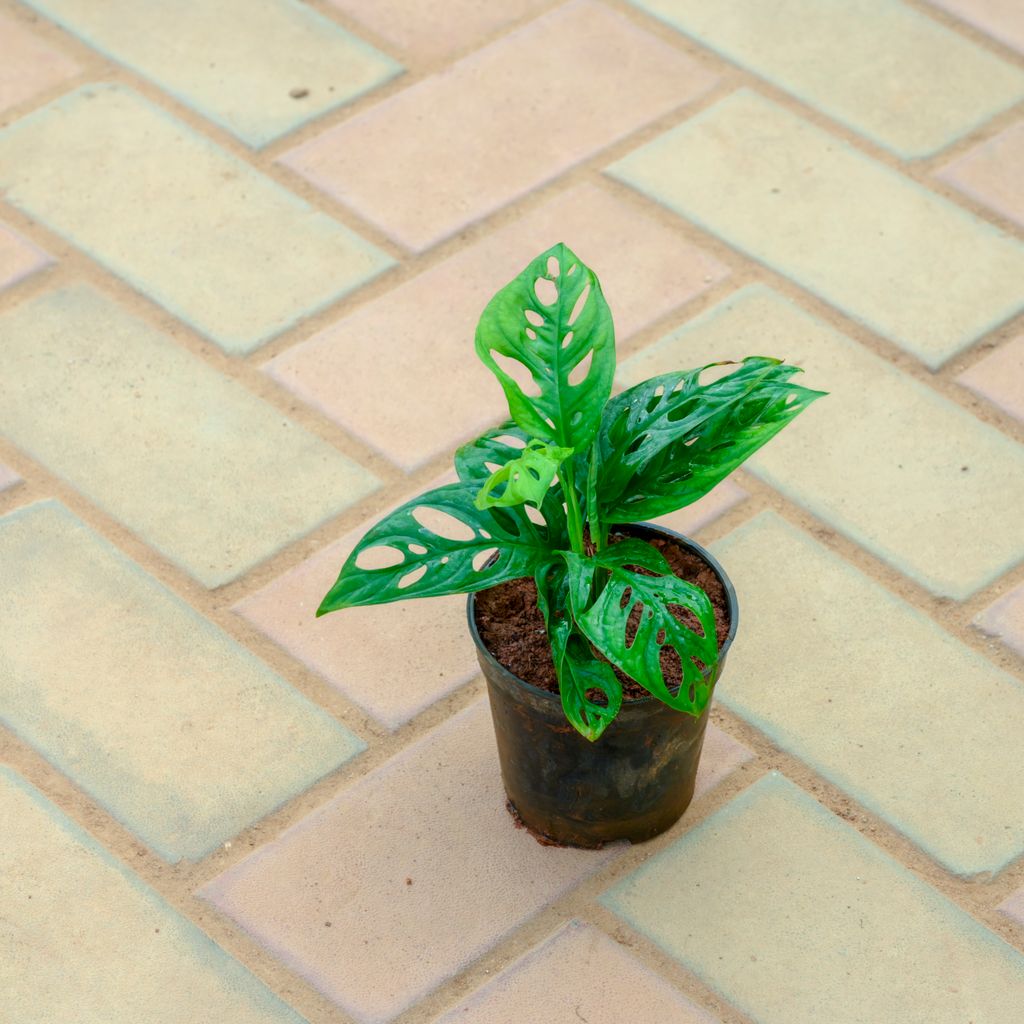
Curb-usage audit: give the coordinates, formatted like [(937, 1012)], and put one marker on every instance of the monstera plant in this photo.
[(545, 494)]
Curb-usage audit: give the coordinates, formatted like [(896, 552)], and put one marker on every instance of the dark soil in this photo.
[(512, 628)]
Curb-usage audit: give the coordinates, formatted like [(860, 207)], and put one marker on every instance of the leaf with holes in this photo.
[(578, 669), (522, 480), (668, 441), (437, 544), (603, 614), (552, 320), (477, 460)]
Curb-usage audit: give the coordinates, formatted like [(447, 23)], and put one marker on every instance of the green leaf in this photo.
[(450, 556), (578, 669), (525, 479), (552, 319), (477, 460), (668, 441), (604, 616)]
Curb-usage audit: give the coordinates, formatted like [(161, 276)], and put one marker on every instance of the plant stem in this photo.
[(572, 507), (593, 514)]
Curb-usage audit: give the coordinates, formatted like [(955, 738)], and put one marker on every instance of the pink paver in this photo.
[(577, 974), (999, 377), (403, 879), (464, 142), (695, 517), (1005, 619), (18, 257), (401, 373), (1001, 19), (430, 31), (28, 66), (1013, 906), (409, 875), (721, 756), (7, 477), (394, 659), (991, 172)]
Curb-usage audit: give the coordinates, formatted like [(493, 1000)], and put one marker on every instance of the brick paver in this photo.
[(347, 182), (999, 377), (794, 917), (193, 738), (177, 446), (8, 478), (1005, 619), (1001, 19), (879, 66), (201, 232), (135, 959), (578, 973), (29, 66), (893, 709), (422, 187), (431, 31), (18, 258), (351, 896), (904, 261), (235, 62), (987, 173), (418, 389)]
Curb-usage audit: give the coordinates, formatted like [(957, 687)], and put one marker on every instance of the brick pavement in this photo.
[(242, 250)]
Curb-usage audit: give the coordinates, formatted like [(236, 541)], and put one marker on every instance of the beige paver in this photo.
[(18, 258), (1004, 618), (401, 372), (1001, 19), (203, 470), (235, 62), (394, 660), (577, 974), (879, 66), (198, 230), (352, 897), (999, 377), (83, 939), (886, 704), (920, 482), (455, 147), (795, 918), (434, 31), (909, 264), (990, 173), (29, 66), (8, 478), (181, 733)]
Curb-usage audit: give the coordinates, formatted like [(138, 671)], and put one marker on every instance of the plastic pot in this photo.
[(633, 783)]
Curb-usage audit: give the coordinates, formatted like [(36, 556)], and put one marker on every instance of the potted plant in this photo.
[(601, 638)]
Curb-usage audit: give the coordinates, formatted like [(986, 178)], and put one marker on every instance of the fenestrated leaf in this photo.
[(552, 339), (604, 619), (476, 460), (427, 563), (576, 666), (666, 442), (525, 479)]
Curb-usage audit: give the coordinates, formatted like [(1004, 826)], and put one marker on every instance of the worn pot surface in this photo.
[(633, 783)]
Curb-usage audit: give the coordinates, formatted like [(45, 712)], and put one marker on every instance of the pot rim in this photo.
[(686, 542)]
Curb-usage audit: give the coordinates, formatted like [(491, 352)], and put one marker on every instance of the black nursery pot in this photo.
[(633, 783)]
